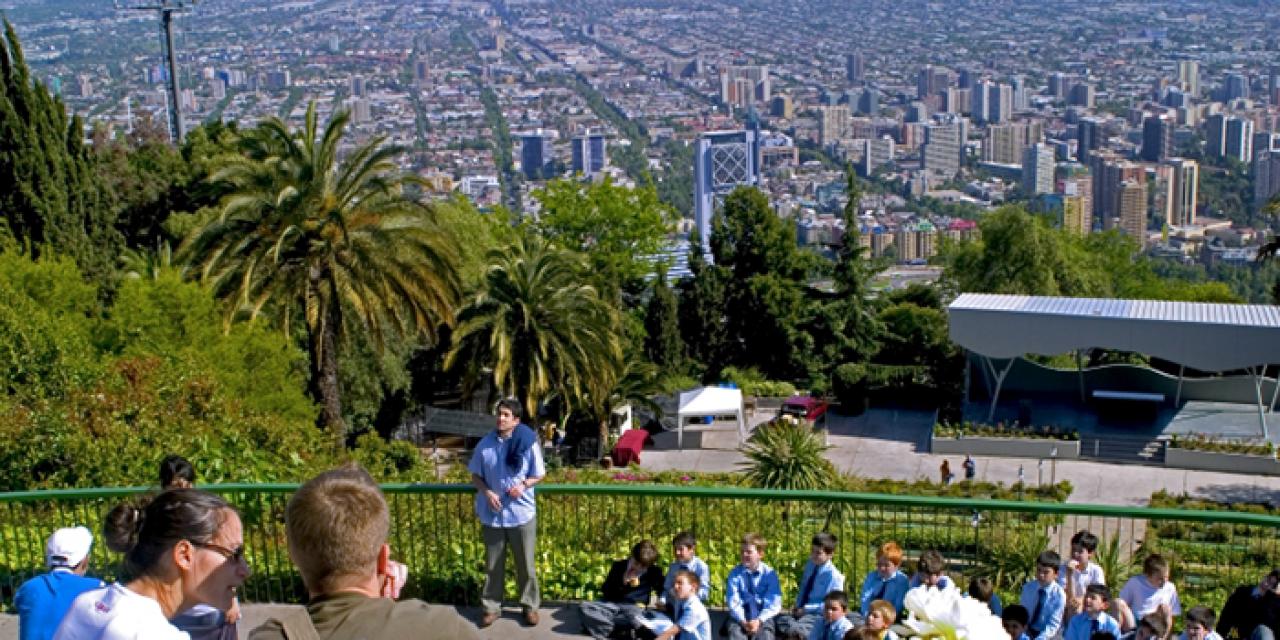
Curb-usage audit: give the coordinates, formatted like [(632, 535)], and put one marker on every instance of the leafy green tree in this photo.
[(852, 321), (663, 344), (52, 196), (538, 328), (702, 311), (1019, 253), (749, 239), (337, 243), (616, 227)]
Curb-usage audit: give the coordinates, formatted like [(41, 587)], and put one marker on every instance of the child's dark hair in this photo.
[(684, 539), (645, 553), (826, 541), (1155, 624), (931, 562), (1155, 563), (1100, 590), (1016, 613), (981, 588), (1086, 540), (837, 596), (1202, 615), (691, 577), (176, 467), (1049, 559)]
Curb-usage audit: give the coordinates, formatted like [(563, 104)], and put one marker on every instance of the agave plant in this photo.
[(787, 455)]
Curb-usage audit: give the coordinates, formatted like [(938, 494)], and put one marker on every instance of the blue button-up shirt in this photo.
[(1049, 620), (895, 590), (823, 630), (489, 461), (693, 620), (695, 566), (828, 579), (1081, 626), (760, 585)]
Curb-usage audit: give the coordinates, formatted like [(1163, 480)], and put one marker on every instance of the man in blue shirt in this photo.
[(43, 600), (1044, 598), (504, 468), (819, 578), (753, 592)]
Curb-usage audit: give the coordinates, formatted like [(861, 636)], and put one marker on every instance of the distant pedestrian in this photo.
[(970, 467), (945, 471)]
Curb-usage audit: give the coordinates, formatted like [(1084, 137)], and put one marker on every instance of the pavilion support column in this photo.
[(1080, 374), (1177, 398), (999, 376), (1274, 392), (1257, 388)]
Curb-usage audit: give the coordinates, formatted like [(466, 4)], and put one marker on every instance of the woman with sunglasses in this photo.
[(184, 547)]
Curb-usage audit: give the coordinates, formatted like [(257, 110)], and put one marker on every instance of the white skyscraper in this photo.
[(723, 161)]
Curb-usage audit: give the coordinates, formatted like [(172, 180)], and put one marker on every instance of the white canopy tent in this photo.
[(1204, 336), (710, 401)]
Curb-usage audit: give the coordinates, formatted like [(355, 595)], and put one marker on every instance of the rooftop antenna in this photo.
[(166, 9)]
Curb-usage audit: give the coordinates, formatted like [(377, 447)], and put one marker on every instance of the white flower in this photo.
[(943, 614)]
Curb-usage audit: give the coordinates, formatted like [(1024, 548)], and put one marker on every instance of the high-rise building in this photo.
[(421, 73), (360, 109), (741, 87), (1058, 85), (932, 81), (957, 101), (1239, 139), (589, 154), (1000, 102), (1186, 185), (1077, 199), (535, 155), (833, 124), (1109, 173), (943, 146), (869, 102), (916, 112), (723, 161), (1006, 142), (1132, 204), (278, 80), (1157, 138), (782, 107), (1273, 85), (855, 67), (1088, 137), (358, 87), (877, 153), (1237, 86), (980, 102), (1266, 177), (1215, 145), (1075, 215), (1082, 95), (1189, 76), (1037, 169)]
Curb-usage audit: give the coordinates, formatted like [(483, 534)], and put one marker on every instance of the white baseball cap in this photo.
[(67, 547)]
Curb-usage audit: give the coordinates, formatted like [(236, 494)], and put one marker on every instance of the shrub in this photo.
[(1202, 442), (968, 429), (787, 455), (849, 387), (752, 383)]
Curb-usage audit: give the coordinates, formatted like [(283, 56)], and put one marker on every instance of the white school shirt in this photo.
[(1143, 598), (1091, 574), (116, 613)]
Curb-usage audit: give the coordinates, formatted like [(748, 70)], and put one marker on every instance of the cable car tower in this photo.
[(166, 9)]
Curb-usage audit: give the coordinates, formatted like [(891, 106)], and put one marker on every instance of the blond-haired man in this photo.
[(337, 526)]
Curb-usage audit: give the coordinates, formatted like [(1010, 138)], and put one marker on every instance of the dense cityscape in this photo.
[(1113, 116)]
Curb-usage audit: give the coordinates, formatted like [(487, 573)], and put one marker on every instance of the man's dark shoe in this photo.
[(531, 618), (489, 618)]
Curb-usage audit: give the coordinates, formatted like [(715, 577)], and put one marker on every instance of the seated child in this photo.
[(1150, 628), (684, 547), (982, 590), (691, 620), (1079, 571), (1044, 598), (931, 571), (627, 588), (819, 578), (1014, 618), (880, 618), (886, 582), (834, 625), (1093, 618), (1142, 594), (1198, 624), (753, 593)]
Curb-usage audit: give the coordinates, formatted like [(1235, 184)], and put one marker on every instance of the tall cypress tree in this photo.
[(54, 198), (662, 343)]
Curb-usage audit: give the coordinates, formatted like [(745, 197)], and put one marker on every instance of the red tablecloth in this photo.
[(629, 447)]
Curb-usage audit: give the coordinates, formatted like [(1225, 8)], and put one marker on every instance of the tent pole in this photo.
[(1257, 388), (1177, 399), (1000, 376)]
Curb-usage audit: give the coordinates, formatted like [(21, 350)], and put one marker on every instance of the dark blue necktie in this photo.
[(751, 608), (677, 612), (808, 587), (884, 584), (1035, 615), (1095, 627)]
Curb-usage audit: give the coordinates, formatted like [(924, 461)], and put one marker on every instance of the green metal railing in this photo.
[(582, 527)]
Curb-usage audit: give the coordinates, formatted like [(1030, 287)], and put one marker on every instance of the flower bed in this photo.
[(1198, 451), (1004, 441)]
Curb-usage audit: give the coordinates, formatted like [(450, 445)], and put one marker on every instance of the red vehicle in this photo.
[(807, 407)]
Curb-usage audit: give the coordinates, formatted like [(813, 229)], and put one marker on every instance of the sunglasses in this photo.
[(236, 554)]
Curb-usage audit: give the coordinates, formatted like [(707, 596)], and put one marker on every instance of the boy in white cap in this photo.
[(43, 600)]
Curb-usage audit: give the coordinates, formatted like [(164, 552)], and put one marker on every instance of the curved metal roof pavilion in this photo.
[(1204, 336)]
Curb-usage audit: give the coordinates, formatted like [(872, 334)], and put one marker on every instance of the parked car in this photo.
[(807, 407)]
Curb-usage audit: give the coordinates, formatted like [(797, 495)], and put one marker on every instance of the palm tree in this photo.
[(539, 328), (336, 241)]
